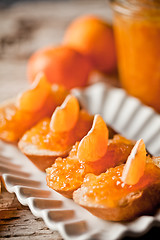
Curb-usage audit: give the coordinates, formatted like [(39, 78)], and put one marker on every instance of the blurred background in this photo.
[(26, 26)]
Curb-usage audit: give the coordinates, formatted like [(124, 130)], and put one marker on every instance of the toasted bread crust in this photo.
[(41, 159), (41, 162), (143, 202), (67, 194)]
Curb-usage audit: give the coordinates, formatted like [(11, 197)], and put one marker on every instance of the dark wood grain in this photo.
[(17, 222)]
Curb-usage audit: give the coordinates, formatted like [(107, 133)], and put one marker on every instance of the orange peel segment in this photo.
[(66, 116), (33, 99), (135, 165), (94, 145)]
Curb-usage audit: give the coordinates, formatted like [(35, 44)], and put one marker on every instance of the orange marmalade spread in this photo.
[(44, 138), (14, 121), (68, 173), (137, 33), (108, 189)]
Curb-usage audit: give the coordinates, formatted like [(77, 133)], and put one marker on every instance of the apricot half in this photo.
[(94, 145), (65, 117), (135, 165)]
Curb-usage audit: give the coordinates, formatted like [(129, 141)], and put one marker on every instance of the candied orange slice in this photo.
[(66, 116), (94, 145), (135, 165), (33, 99)]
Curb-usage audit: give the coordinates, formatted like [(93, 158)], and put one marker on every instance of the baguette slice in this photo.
[(107, 197), (41, 158), (14, 122), (67, 174), (42, 146)]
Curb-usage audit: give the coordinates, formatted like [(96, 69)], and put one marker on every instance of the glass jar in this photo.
[(137, 33)]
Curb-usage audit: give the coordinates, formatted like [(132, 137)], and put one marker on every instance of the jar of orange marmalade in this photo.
[(137, 34)]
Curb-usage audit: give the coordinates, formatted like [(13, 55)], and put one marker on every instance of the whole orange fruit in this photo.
[(61, 65), (94, 38)]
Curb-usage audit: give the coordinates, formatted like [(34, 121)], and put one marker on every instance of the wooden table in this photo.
[(25, 27)]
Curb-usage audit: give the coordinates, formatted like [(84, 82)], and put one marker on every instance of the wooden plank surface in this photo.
[(28, 26), (25, 27), (17, 222)]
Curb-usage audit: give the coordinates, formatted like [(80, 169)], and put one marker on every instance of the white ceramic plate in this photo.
[(128, 116)]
